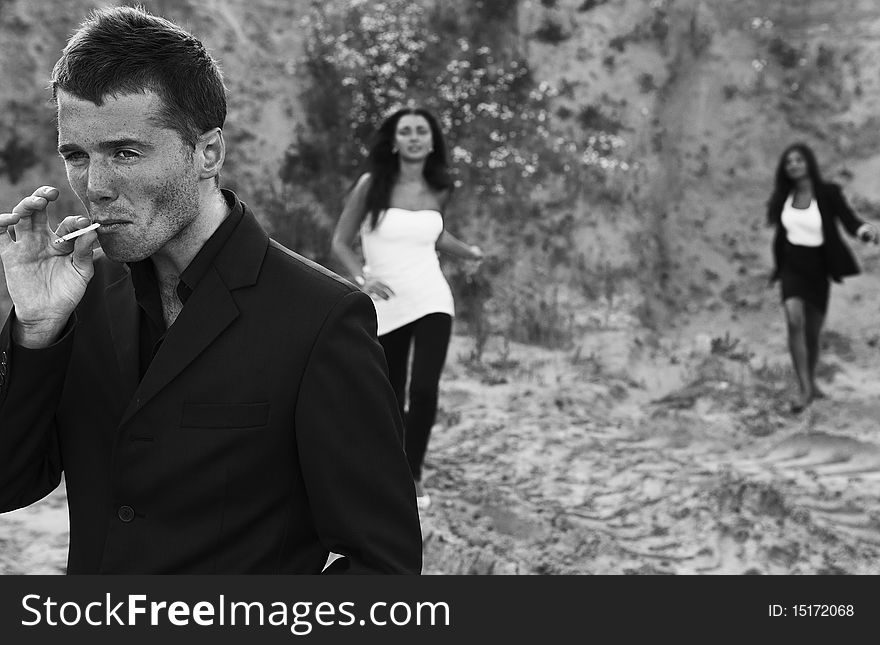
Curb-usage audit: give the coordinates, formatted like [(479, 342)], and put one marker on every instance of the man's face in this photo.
[(136, 178)]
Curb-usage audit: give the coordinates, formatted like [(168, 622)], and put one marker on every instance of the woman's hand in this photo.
[(376, 289), (868, 233)]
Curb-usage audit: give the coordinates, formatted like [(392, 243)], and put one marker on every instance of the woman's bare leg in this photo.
[(795, 317), (814, 320)]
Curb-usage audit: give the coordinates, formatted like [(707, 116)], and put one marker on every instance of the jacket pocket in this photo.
[(224, 415)]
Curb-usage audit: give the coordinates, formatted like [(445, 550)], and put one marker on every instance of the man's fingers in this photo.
[(34, 207), (69, 225), (82, 257), (36, 200), (49, 192), (7, 230), (83, 245)]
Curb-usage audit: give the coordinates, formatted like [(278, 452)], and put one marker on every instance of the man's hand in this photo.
[(46, 281)]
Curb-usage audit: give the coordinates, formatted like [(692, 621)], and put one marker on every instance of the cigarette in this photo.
[(75, 234)]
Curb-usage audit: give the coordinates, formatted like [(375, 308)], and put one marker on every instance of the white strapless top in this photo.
[(401, 252), (803, 226)]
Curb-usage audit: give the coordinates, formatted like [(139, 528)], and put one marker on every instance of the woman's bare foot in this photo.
[(800, 403), (423, 500)]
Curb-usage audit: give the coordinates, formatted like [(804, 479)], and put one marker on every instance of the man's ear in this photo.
[(211, 153)]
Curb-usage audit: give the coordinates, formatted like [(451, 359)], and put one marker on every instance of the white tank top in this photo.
[(401, 252), (803, 226)]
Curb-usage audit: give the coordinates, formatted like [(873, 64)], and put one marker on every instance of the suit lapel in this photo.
[(208, 311), (826, 211), (122, 314)]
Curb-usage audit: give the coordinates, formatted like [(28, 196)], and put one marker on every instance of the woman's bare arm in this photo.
[(342, 243)]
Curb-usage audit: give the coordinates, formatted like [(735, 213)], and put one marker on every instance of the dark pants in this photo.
[(429, 338)]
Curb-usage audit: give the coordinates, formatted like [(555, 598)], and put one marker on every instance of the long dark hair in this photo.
[(384, 167), (783, 184)]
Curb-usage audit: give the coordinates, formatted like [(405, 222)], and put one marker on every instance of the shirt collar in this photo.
[(208, 253)]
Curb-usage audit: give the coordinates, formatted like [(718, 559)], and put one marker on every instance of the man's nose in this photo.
[(101, 182)]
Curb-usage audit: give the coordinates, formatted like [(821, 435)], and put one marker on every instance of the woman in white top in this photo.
[(808, 251), (396, 206)]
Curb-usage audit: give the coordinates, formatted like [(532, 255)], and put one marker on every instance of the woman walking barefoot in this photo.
[(808, 251)]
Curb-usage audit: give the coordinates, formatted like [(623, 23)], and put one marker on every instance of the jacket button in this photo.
[(2, 369), (125, 513)]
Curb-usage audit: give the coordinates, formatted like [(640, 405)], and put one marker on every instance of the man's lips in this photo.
[(111, 224)]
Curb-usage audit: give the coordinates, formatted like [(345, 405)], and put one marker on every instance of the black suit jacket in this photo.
[(833, 207), (263, 436)]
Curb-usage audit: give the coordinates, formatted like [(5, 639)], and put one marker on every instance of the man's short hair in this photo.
[(125, 50)]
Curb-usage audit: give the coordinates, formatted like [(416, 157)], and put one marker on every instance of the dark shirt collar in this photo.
[(144, 277), (208, 253)]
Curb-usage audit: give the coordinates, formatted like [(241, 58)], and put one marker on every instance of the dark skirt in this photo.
[(805, 276)]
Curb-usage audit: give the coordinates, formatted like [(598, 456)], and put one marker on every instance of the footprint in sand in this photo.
[(820, 449)]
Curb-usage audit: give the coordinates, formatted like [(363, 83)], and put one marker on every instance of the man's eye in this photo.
[(72, 157), (127, 154)]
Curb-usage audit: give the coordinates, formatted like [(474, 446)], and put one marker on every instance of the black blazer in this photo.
[(833, 206), (263, 436)]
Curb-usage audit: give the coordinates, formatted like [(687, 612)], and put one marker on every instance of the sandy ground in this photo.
[(628, 454), (686, 462)]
